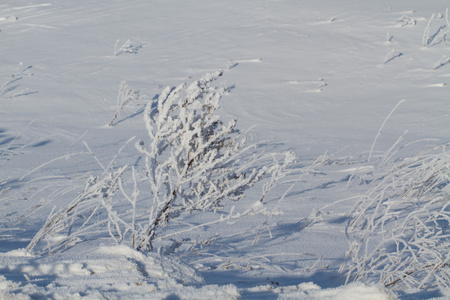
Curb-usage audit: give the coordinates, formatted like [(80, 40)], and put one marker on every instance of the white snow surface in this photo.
[(318, 78)]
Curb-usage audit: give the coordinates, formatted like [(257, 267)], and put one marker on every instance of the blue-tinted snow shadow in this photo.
[(16, 233), (40, 144), (10, 145), (11, 239), (247, 264), (5, 140), (323, 186)]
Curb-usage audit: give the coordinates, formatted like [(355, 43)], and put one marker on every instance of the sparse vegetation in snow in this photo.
[(187, 187)]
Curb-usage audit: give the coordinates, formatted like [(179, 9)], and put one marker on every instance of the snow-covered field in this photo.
[(352, 88)]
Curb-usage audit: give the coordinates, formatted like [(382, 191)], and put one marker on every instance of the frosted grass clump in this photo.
[(400, 229)]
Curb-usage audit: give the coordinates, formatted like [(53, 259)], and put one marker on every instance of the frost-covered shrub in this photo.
[(401, 227), (194, 162)]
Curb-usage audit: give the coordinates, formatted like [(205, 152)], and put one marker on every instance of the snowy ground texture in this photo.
[(357, 90)]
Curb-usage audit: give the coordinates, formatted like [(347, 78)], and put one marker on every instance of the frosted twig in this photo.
[(381, 128), (93, 155), (389, 153)]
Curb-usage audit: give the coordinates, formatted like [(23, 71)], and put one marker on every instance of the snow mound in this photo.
[(102, 273), (17, 252), (352, 291)]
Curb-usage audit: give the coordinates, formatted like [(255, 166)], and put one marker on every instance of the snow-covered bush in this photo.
[(401, 227), (194, 161)]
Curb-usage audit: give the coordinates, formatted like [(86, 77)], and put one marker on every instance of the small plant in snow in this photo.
[(194, 162), (125, 96), (401, 227), (391, 55), (445, 60), (389, 37), (8, 19), (127, 47), (11, 87), (406, 20), (439, 36)]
